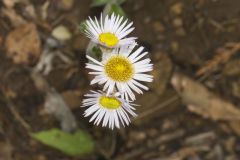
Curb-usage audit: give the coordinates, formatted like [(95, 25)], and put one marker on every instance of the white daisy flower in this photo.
[(111, 110), (110, 32), (122, 69)]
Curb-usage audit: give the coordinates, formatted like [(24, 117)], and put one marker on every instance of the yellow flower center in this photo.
[(108, 39), (110, 102), (119, 68)]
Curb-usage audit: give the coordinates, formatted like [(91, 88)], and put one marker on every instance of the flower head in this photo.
[(110, 31), (122, 69), (111, 110)]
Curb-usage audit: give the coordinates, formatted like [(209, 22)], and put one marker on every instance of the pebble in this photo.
[(68, 3), (137, 135), (180, 32), (177, 22), (152, 132), (174, 46), (61, 33), (41, 157), (158, 26), (177, 8)]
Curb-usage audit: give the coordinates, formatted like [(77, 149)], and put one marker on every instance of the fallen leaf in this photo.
[(232, 68), (73, 144), (9, 3), (15, 19), (30, 11), (202, 101), (23, 44), (235, 125)]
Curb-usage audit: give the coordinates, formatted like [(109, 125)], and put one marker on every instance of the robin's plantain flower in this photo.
[(110, 32), (111, 110), (124, 69)]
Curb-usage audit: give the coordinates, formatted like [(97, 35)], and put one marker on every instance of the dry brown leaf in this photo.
[(9, 3), (235, 125), (232, 68), (205, 103), (223, 55), (23, 44), (201, 101), (15, 19), (30, 11)]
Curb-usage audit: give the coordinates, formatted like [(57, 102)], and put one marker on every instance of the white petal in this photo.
[(106, 119), (121, 27), (136, 89), (98, 29), (94, 67), (95, 61), (139, 85), (126, 28), (143, 77), (123, 34), (91, 110), (136, 53), (116, 119), (95, 115), (100, 116)]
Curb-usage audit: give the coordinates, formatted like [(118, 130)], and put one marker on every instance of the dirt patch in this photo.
[(181, 36)]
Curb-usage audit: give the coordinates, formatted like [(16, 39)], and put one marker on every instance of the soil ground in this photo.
[(181, 36)]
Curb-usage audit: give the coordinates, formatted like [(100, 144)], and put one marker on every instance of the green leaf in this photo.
[(83, 26), (73, 144), (117, 9), (97, 51), (97, 3)]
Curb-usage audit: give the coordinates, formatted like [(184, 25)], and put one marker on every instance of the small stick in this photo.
[(17, 116)]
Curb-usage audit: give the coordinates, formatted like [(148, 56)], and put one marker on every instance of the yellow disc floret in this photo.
[(108, 39), (110, 102), (119, 68)]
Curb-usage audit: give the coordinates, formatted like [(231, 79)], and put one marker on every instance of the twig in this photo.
[(9, 103), (158, 107), (223, 55), (17, 116), (185, 152)]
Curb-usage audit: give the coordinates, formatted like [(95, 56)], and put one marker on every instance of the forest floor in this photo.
[(191, 112)]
